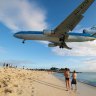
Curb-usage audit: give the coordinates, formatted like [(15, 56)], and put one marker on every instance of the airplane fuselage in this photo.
[(39, 35)]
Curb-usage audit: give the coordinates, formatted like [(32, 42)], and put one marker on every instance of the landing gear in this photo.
[(64, 45), (23, 41), (61, 45), (62, 42)]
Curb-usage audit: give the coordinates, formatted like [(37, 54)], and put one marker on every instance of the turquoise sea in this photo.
[(85, 77)]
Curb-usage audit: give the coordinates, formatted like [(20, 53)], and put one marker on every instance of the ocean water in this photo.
[(85, 77)]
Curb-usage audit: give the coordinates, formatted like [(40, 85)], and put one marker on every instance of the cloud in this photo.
[(22, 15), (78, 49), (89, 64), (80, 63)]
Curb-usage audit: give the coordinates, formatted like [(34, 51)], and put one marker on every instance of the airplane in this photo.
[(61, 34)]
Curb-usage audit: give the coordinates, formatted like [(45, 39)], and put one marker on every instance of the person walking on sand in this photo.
[(74, 81), (67, 78)]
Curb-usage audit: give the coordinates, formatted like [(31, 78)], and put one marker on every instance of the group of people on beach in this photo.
[(6, 65), (69, 83)]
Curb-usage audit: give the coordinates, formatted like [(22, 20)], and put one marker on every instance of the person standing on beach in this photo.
[(4, 65), (74, 81), (67, 78)]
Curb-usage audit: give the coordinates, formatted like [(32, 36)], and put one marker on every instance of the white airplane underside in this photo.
[(61, 34), (73, 37)]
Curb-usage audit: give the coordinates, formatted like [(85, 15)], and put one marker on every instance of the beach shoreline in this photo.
[(79, 80), (21, 82)]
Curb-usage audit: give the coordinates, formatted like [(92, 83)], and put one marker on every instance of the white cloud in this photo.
[(78, 49), (22, 15), (89, 64)]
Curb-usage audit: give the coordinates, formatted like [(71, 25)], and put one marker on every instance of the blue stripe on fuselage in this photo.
[(81, 34), (30, 32), (70, 33)]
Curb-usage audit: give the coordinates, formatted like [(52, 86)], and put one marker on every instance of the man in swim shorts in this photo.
[(74, 81)]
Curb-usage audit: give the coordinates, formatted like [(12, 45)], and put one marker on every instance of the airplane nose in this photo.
[(17, 35)]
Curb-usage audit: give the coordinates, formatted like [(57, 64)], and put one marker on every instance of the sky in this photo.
[(22, 15)]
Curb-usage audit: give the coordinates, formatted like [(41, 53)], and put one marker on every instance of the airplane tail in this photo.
[(91, 31), (93, 28)]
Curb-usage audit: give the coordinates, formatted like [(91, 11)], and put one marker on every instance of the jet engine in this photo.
[(48, 32), (52, 45)]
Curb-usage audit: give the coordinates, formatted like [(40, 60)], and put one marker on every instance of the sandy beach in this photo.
[(20, 82)]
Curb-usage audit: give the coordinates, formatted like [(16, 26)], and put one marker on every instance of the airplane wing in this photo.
[(73, 19)]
